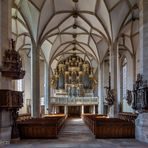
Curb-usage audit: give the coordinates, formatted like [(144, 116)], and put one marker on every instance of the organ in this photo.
[(74, 77)]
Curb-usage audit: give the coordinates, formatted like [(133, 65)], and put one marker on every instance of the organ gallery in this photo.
[(74, 77)]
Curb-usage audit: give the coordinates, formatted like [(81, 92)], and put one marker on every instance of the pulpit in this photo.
[(10, 100)]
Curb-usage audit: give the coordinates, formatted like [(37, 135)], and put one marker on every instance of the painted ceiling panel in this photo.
[(82, 38), (128, 44), (20, 42), (94, 22), (66, 38), (53, 32), (63, 5), (96, 38), (117, 20), (127, 29), (31, 14), (136, 43), (21, 29), (87, 5), (63, 47), (27, 40), (46, 48), (54, 20), (74, 31), (135, 26), (103, 13), (83, 24), (93, 46), (66, 23), (14, 27), (52, 38), (38, 3), (45, 15), (103, 47), (111, 3)]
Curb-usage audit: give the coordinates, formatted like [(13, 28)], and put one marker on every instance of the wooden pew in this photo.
[(103, 127), (38, 128), (23, 117), (89, 120), (128, 116), (114, 128), (60, 119)]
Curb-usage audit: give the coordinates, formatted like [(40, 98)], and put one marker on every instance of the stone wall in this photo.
[(141, 131)]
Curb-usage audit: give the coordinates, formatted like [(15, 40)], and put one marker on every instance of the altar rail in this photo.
[(74, 100)]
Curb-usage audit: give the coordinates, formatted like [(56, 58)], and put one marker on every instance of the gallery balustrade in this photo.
[(74, 100)]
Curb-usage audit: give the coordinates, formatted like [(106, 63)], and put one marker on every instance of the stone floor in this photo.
[(76, 134)]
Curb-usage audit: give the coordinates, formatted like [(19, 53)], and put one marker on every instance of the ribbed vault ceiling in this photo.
[(89, 26)]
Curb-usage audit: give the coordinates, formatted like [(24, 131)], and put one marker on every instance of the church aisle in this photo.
[(76, 134), (76, 131)]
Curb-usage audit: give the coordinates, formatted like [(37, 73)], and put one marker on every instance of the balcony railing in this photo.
[(74, 100)]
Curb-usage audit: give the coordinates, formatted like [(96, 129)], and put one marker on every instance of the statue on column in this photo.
[(110, 94), (129, 97), (140, 93)]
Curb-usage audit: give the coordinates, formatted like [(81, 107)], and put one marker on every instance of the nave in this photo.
[(76, 134), (67, 58)]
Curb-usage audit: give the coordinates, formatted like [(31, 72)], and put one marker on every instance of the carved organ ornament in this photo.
[(74, 75)]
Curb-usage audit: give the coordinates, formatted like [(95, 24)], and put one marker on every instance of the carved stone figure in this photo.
[(140, 93), (129, 97), (110, 98)]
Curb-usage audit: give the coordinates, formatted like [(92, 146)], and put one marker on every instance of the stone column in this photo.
[(65, 109), (141, 130), (5, 83), (114, 78), (143, 32), (35, 81), (93, 109), (82, 109), (49, 91), (101, 88), (57, 109), (46, 87), (5, 36)]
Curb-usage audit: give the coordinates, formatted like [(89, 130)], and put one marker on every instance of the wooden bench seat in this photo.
[(114, 128), (37, 128), (128, 116), (103, 127), (23, 117), (90, 120)]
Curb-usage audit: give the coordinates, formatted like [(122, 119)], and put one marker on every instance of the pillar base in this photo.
[(5, 126), (141, 127), (16, 140)]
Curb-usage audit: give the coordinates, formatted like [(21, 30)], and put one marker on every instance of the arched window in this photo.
[(124, 78)]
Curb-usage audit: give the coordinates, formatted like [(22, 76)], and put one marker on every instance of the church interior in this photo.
[(73, 73)]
